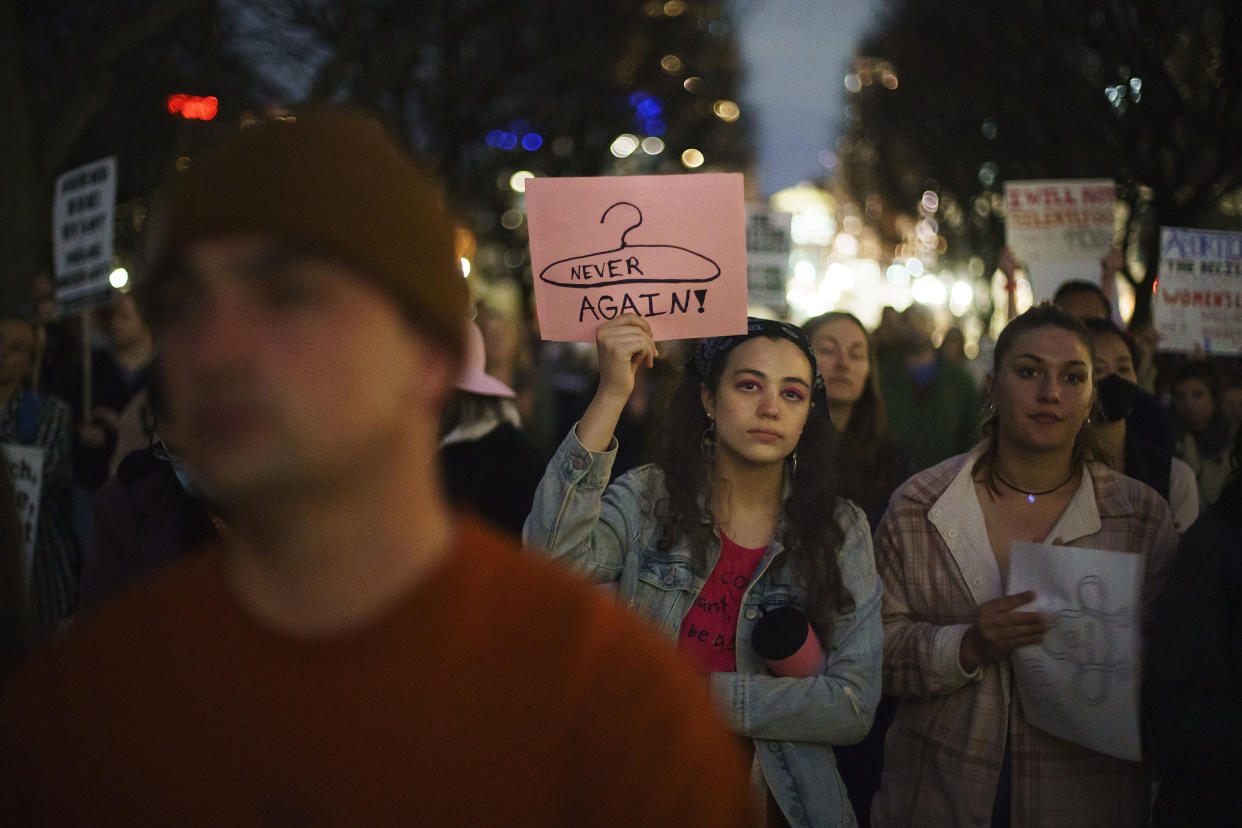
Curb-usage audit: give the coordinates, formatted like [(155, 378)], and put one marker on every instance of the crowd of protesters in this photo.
[(294, 502)]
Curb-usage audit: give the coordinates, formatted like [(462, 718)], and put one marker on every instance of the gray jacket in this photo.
[(611, 534)]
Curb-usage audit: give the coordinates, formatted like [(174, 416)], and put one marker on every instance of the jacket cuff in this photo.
[(589, 469), (946, 656)]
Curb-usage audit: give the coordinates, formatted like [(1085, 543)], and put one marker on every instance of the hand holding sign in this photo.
[(1001, 629), (624, 344)]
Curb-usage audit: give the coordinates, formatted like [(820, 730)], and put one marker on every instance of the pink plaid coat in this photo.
[(943, 751)]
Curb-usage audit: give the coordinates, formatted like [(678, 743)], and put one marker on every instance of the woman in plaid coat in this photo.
[(960, 751)]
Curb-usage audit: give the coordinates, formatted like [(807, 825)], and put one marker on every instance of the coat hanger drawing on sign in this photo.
[(631, 263)]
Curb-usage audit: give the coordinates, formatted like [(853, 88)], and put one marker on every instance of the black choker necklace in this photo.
[(1030, 496)]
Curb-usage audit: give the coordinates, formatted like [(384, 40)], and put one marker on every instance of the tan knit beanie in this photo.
[(333, 181)]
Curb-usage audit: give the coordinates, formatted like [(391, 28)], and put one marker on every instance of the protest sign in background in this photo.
[(1198, 301), (1059, 230), (670, 248), (26, 468), (82, 216), (768, 244)]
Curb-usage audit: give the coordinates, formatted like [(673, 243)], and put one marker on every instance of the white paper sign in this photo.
[(1059, 229), (26, 469), (82, 217), (1198, 299), (768, 244), (1081, 683)]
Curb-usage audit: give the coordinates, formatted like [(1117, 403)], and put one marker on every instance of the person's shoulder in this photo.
[(116, 640), (522, 584), (1118, 495), (925, 487), (851, 518), (496, 560), (140, 463)]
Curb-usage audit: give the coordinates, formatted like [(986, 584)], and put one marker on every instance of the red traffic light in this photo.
[(194, 107)]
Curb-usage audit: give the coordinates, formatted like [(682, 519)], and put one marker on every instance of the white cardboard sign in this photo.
[(1198, 301), (82, 220), (1060, 229), (26, 469)]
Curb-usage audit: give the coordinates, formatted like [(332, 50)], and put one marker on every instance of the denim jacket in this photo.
[(611, 534)]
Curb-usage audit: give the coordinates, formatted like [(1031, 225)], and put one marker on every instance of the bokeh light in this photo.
[(929, 290), (692, 158), (897, 275), (961, 297), (511, 219), (624, 145), (726, 110), (517, 181)]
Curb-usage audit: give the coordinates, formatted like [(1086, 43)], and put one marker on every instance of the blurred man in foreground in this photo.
[(356, 654)]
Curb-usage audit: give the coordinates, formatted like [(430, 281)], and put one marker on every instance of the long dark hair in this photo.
[(809, 532), (868, 460), (1044, 315)]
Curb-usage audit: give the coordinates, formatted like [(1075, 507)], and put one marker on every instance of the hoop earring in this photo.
[(707, 443)]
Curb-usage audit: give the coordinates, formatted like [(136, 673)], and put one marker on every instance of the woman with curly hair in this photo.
[(737, 518)]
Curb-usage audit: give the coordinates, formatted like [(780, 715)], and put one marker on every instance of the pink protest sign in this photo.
[(670, 248)]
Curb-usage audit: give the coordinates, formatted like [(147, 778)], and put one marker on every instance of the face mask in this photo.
[(1116, 397)]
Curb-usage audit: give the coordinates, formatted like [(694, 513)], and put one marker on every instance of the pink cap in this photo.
[(472, 377)]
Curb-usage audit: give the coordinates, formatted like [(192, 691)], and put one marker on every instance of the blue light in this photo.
[(654, 126), (531, 141), (636, 98), (650, 107), (508, 140), (494, 138)]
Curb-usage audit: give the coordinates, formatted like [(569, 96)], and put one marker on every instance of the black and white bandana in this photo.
[(713, 349)]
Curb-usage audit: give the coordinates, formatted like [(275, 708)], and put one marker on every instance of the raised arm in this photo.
[(624, 344), (572, 517)]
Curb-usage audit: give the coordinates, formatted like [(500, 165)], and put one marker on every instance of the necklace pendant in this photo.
[(1030, 498)]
